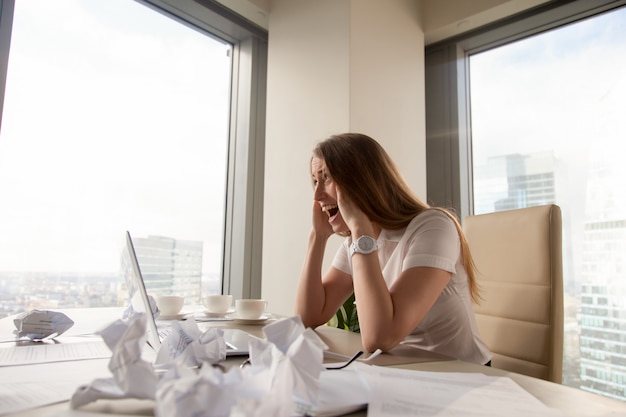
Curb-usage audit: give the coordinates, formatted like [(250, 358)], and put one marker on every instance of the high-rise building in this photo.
[(603, 339), (603, 289), (515, 181), (170, 266)]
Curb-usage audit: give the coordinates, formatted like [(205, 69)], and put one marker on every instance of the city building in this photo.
[(603, 337), (170, 266), (509, 182), (603, 290)]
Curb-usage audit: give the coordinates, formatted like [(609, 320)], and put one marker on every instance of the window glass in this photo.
[(115, 118), (547, 127)]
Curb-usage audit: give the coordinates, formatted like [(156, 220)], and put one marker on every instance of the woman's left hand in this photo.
[(354, 217)]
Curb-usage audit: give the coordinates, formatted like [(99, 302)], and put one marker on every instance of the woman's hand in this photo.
[(321, 227), (355, 219)]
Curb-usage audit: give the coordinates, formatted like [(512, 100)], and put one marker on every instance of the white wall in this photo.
[(334, 66)]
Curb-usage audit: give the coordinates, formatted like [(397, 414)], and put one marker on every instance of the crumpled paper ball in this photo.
[(188, 345), (281, 380), (41, 324), (133, 377)]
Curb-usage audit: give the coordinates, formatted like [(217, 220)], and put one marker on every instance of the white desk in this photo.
[(570, 401)]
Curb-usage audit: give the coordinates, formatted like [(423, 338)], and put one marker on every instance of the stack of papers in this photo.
[(401, 392)]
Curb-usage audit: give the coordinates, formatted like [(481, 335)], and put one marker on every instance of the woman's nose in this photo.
[(319, 192)]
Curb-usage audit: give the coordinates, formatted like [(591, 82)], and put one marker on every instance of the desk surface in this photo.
[(569, 400)]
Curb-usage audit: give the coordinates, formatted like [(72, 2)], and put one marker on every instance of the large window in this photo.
[(118, 117), (544, 115), (547, 127)]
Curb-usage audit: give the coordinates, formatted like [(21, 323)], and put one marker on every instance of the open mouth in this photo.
[(331, 210)]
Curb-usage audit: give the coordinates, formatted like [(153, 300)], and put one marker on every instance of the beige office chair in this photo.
[(520, 276)]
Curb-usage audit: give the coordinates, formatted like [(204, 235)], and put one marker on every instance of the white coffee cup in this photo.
[(217, 303), (250, 308), (170, 304)]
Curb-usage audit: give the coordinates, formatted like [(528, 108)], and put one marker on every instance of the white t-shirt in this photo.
[(431, 239)]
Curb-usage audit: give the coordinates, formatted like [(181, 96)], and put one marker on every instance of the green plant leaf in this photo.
[(346, 317)]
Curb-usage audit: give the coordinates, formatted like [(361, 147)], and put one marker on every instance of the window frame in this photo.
[(448, 131), (6, 25), (243, 228)]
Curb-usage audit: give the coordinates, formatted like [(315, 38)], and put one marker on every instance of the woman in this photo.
[(407, 263)]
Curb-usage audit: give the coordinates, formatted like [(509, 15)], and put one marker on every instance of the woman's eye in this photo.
[(323, 180)]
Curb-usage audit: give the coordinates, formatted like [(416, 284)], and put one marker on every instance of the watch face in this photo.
[(366, 243)]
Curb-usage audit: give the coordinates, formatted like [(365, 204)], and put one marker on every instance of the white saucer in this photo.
[(216, 315), (241, 320), (178, 316)]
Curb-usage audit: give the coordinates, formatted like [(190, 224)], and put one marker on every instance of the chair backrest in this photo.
[(518, 257)]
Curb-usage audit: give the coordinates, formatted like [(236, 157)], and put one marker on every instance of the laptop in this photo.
[(237, 341)]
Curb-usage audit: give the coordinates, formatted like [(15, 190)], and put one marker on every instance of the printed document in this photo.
[(399, 393), (53, 352)]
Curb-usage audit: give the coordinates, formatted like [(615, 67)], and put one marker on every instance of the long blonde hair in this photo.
[(369, 177)]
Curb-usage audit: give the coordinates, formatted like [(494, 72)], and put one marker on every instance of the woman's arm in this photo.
[(388, 315), (317, 298)]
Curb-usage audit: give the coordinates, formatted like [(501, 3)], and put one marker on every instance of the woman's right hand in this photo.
[(321, 227)]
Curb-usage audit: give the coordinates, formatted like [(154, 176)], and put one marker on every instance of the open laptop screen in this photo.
[(139, 299), (237, 341)]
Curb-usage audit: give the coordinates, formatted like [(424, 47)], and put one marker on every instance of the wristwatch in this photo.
[(365, 244)]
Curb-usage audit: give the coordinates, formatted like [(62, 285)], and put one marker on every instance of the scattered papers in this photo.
[(133, 377), (282, 378), (187, 345), (296, 355), (342, 392), (401, 392), (46, 352), (286, 377), (41, 324)]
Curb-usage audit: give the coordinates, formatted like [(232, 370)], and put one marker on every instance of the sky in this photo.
[(115, 118), (563, 91), (559, 91), (547, 91)]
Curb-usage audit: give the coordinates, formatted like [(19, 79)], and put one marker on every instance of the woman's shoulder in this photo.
[(428, 219), (432, 221), (432, 215)]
